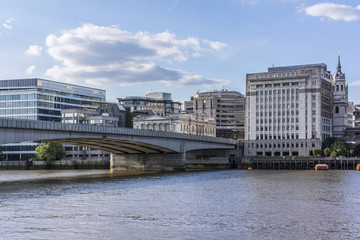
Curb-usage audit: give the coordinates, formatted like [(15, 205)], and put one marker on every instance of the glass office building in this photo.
[(40, 99)]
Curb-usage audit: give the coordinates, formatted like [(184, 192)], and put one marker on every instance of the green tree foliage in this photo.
[(327, 152), (50, 151), (316, 152), (129, 116), (327, 143), (357, 150), (333, 154), (340, 147), (352, 153)]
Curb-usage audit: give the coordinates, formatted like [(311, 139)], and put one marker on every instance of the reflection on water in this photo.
[(197, 205)]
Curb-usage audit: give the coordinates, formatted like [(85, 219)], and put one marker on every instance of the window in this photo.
[(336, 109)]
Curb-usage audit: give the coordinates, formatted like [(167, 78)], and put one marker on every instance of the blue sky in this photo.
[(132, 47)]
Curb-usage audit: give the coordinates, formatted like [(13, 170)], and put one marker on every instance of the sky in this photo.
[(133, 47)]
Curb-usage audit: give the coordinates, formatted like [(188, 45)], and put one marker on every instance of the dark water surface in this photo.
[(236, 204)]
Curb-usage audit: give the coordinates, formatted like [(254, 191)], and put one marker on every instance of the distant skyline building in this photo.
[(194, 124), (160, 102), (40, 99), (226, 107), (288, 110)]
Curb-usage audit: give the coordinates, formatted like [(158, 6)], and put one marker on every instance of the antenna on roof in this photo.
[(273, 65)]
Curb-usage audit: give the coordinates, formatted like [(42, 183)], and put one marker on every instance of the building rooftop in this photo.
[(295, 67), (53, 85)]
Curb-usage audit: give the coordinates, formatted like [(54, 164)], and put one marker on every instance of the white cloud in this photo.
[(334, 11), (216, 45), (355, 83), (33, 50), (252, 2), (7, 24), (30, 70), (108, 55)]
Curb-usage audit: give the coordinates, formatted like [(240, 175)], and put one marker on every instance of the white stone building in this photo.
[(341, 106), (288, 110), (196, 124)]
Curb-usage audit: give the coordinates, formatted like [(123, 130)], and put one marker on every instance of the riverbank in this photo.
[(302, 163), (266, 163)]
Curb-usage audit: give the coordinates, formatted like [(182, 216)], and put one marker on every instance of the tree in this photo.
[(357, 150), (327, 143), (129, 116), (340, 147), (352, 152), (316, 152), (333, 154), (327, 152), (50, 151)]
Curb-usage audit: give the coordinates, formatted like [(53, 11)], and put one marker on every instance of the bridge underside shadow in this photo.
[(115, 146)]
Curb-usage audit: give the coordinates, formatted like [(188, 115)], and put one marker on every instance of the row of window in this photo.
[(18, 97), (279, 136), (273, 99), (20, 111), (279, 106), (277, 91), (274, 75), (52, 99), (280, 145), (31, 96), (273, 120), (279, 128), (280, 113), (37, 117)]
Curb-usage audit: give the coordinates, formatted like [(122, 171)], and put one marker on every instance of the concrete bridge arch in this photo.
[(147, 148)]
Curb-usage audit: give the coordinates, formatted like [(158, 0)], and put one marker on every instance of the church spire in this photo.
[(339, 65)]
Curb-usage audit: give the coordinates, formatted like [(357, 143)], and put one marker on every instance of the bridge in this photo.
[(129, 148)]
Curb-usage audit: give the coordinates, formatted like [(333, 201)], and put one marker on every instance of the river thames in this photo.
[(233, 204)]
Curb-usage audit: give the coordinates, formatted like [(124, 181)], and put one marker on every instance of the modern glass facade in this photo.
[(40, 99)]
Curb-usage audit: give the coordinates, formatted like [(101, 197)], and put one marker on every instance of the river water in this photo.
[(233, 204)]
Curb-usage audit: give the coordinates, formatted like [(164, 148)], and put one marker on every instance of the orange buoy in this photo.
[(321, 167), (358, 167)]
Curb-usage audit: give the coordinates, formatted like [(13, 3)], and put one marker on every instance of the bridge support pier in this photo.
[(191, 160), (208, 159), (147, 162)]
